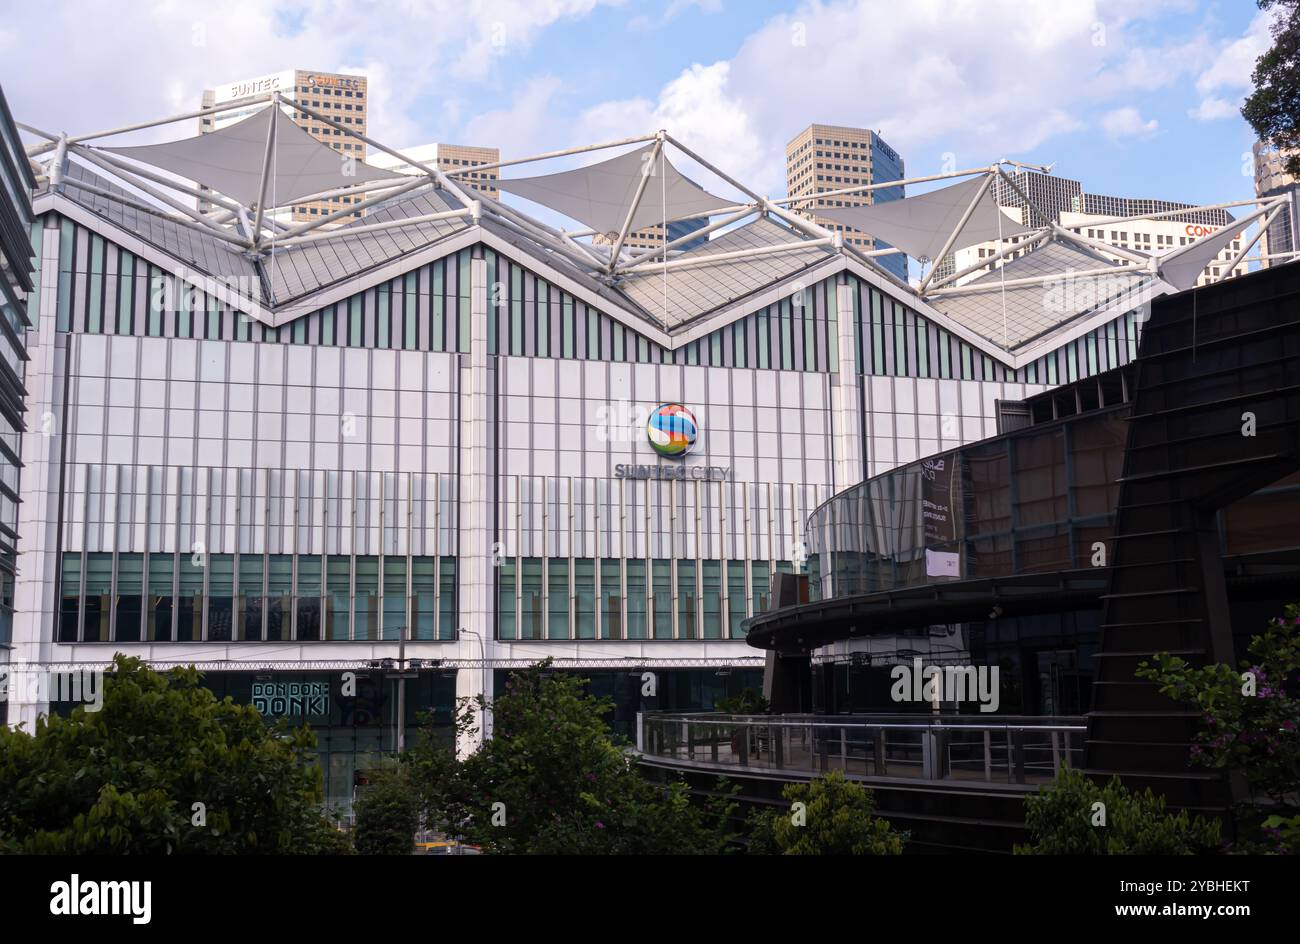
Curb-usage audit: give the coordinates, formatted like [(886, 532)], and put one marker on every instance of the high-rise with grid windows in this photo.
[(823, 158), (1271, 179), (340, 97)]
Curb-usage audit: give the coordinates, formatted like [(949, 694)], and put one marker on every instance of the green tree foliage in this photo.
[(552, 779), (388, 815), (748, 702), (836, 818), (1064, 819), (1273, 109), (1250, 724), (125, 779)]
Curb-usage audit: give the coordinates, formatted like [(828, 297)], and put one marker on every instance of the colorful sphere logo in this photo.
[(672, 430)]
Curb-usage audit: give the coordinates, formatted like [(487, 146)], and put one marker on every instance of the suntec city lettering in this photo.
[(704, 473)]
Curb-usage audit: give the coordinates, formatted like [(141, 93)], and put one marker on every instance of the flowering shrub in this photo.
[(1251, 720)]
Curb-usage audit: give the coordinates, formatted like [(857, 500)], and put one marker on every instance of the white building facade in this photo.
[(440, 454)]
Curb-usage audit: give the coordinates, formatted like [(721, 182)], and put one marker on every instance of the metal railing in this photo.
[(970, 748)]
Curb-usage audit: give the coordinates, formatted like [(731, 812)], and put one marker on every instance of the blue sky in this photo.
[(1133, 97)]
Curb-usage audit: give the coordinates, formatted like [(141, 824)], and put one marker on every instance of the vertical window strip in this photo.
[(787, 336), (497, 300), (808, 314), (125, 291), (95, 286), (922, 347), (37, 238), (67, 245), (157, 301), (832, 327), (463, 297), (383, 316), (517, 313), (566, 327), (546, 315), (903, 340), (877, 333), (410, 313), (213, 310), (355, 324)]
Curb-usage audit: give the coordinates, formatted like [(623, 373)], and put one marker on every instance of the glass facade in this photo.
[(252, 597), (20, 243), (1046, 666), (1037, 500), (647, 610)]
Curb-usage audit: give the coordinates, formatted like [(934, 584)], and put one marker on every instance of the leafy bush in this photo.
[(1061, 817), (836, 819), (388, 815), (552, 779), (126, 779), (748, 702), (1254, 732), (1250, 727)]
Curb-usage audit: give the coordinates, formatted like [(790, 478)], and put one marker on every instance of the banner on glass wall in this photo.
[(937, 487)]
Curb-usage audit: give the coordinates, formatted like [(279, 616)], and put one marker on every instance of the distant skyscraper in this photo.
[(1283, 234), (449, 157), (1064, 201), (652, 237), (337, 96), (829, 157)]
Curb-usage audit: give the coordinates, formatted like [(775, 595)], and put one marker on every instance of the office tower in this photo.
[(1065, 202), (1282, 235), (823, 158), (340, 97), (448, 157)]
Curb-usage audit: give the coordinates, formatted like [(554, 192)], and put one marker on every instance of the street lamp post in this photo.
[(401, 675), (482, 680)]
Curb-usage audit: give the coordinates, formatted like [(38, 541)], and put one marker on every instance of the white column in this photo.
[(35, 593), (846, 412), (474, 575)]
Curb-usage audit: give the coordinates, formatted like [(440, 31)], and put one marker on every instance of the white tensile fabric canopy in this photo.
[(599, 195), (921, 225), (230, 159), (1182, 267)]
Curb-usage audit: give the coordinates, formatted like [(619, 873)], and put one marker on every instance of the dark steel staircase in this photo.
[(1207, 357)]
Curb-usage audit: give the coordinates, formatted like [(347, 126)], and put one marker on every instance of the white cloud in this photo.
[(1231, 69), (978, 79), (1128, 122), (1212, 109), (99, 64), (525, 118), (643, 23)]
